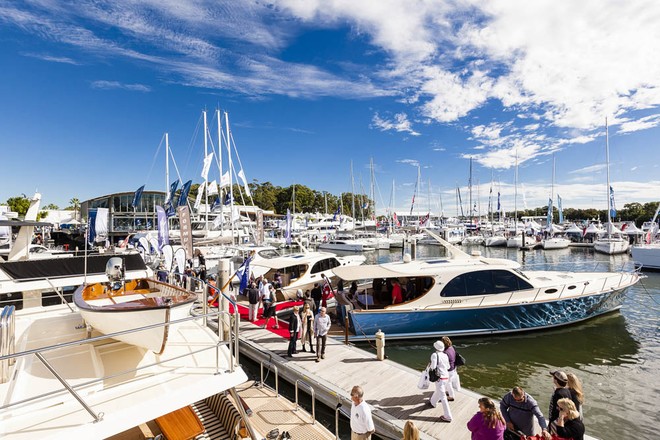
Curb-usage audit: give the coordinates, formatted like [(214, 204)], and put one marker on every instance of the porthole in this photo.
[(571, 287), (551, 291)]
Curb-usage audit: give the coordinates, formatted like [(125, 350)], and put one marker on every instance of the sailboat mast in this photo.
[(229, 169), (607, 190), (206, 153), (167, 165), (352, 195), (222, 209), (373, 186), (470, 193), (515, 197)]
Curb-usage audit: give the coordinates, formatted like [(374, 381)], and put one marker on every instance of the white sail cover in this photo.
[(168, 257)]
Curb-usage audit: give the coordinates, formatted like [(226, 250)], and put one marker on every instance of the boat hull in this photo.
[(647, 256), (406, 324), (555, 243), (611, 246)]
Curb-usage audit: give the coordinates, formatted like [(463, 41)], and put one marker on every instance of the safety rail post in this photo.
[(273, 367), (312, 393), (337, 411), (97, 417), (60, 295)]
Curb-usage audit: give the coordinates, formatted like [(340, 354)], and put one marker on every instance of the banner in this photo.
[(561, 211), (185, 228), (101, 223), (91, 226), (337, 212), (425, 219), (137, 197), (228, 199), (163, 228), (183, 197), (499, 206), (225, 180), (288, 227), (241, 175), (215, 203), (173, 188), (612, 205), (212, 189), (549, 214), (200, 192), (207, 165), (260, 228)]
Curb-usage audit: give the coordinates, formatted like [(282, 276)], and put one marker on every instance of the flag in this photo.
[(91, 226), (207, 165), (612, 205), (173, 188), (366, 205), (549, 213), (169, 209), (183, 197), (212, 189), (216, 203), (559, 208), (225, 180), (228, 199), (396, 220), (200, 191), (137, 197), (337, 212), (424, 219), (163, 228), (243, 274), (499, 207), (288, 227), (413, 202), (241, 175)]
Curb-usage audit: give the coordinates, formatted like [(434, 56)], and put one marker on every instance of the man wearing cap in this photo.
[(518, 409), (560, 381)]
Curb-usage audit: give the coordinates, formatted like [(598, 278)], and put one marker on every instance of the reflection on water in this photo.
[(617, 356)]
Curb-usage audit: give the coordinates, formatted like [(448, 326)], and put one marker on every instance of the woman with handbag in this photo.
[(438, 373), (454, 382)]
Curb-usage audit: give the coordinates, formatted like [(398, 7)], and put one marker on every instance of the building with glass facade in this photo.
[(123, 219)]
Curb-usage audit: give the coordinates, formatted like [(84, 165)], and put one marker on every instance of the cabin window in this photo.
[(325, 264), (551, 291), (484, 282)]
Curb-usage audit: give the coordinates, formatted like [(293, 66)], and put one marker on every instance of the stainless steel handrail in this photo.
[(60, 295), (272, 367), (312, 393)]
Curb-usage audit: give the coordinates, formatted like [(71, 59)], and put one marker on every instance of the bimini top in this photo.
[(294, 259)]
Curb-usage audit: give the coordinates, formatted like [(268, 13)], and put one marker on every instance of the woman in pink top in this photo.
[(488, 423)]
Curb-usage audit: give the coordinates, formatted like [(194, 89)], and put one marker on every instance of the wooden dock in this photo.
[(390, 388)]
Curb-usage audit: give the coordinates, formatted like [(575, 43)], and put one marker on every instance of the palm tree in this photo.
[(76, 204)]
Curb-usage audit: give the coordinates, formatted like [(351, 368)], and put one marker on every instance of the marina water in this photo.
[(616, 356)]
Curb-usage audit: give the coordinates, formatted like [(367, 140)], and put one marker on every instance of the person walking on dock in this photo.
[(294, 331), (271, 311), (519, 409), (252, 294), (454, 382), (321, 328), (440, 363), (362, 424), (317, 296)]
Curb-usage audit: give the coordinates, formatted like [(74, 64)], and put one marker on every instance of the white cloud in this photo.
[(589, 169), (53, 59), (412, 162), (640, 124), (400, 124), (110, 85)]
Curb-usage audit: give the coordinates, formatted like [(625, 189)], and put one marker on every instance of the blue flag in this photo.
[(173, 188), (169, 209), (216, 203), (612, 205), (549, 213), (183, 197), (228, 199), (91, 226), (499, 208), (337, 212), (244, 273), (137, 197), (561, 213)]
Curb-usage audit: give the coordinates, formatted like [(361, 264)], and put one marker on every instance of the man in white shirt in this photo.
[(265, 295), (321, 327), (362, 424)]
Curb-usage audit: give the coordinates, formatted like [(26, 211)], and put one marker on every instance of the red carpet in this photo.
[(283, 329)]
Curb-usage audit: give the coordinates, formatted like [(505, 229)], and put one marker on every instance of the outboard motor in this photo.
[(114, 269)]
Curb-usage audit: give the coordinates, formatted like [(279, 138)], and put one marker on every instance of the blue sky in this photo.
[(89, 88)]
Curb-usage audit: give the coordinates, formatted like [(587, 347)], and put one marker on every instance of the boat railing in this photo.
[(339, 409), (311, 393), (270, 367), (7, 341), (11, 356)]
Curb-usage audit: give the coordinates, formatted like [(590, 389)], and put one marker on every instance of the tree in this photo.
[(75, 204), (52, 206), (19, 204)]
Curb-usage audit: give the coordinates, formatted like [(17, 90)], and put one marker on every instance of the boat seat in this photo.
[(220, 418)]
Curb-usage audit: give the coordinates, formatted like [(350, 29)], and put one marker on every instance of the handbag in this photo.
[(433, 375), (460, 360), (424, 381)]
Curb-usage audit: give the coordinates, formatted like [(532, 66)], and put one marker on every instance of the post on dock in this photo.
[(346, 330), (380, 345), (413, 248), (223, 305)]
